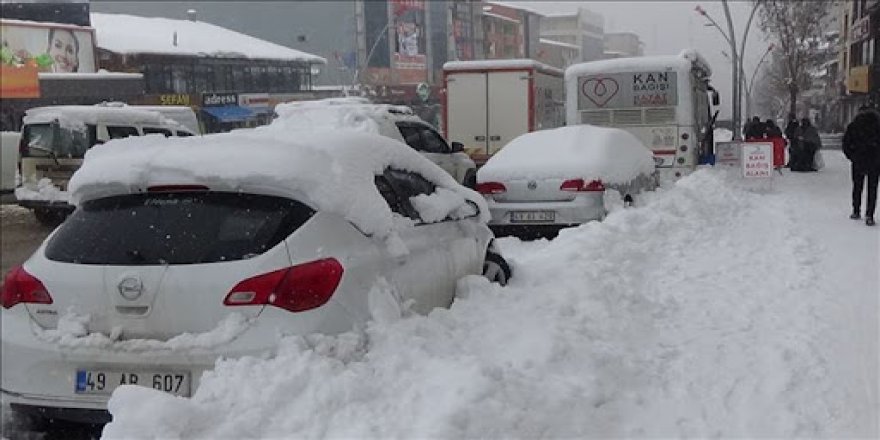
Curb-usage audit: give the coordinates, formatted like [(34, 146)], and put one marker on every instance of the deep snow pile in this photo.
[(701, 313)]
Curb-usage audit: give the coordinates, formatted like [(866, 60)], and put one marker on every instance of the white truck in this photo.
[(488, 103)]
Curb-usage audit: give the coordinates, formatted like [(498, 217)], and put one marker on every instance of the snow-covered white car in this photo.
[(183, 250), (394, 121), (556, 178)]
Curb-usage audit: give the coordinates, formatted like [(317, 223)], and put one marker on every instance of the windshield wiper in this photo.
[(50, 152)]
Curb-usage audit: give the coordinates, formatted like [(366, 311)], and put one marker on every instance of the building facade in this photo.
[(623, 44), (584, 29), (558, 54), (233, 79), (860, 57)]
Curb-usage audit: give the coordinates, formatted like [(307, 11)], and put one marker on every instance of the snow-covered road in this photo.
[(712, 310)]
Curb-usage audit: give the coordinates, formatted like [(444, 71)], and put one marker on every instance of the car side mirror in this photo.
[(457, 147), (716, 100)]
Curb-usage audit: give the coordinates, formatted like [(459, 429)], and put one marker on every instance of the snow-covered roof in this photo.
[(355, 113), (71, 115), (577, 151), (514, 5), (500, 17), (331, 170), (682, 62), (99, 75), (519, 63), (558, 43), (129, 34)]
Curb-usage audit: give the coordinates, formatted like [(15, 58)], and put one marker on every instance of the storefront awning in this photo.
[(229, 113)]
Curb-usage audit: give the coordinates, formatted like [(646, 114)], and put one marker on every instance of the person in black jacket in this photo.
[(754, 129), (861, 145), (772, 130), (791, 131)]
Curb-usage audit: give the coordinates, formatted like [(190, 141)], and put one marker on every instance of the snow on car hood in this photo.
[(331, 171), (579, 151)]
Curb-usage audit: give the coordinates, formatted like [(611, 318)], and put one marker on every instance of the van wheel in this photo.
[(48, 217), (496, 269), (470, 179)]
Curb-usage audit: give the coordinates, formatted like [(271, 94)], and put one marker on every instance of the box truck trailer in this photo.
[(488, 103)]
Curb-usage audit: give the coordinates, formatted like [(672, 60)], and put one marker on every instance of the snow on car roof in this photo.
[(129, 34), (682, 62), (579, 151), (330, 170), (91, 114), (352, 113)]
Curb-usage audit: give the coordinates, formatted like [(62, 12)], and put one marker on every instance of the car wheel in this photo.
[(470, 179), (496, 269), (48, 217)]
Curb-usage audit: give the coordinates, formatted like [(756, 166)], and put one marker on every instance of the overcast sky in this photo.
[(667, 27)]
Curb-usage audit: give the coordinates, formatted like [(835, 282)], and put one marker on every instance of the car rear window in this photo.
[(175, 228)]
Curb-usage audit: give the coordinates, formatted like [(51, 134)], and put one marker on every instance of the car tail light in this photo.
[(296, 289), (579, 185), (491, 188), (22, 287), (176, 188)]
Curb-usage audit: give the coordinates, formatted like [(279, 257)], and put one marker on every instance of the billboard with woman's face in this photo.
[(59, 49)]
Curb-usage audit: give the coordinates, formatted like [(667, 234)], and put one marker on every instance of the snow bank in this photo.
[(580, 151), (691, 316), (43, 190), (331, 171), (130, 34)]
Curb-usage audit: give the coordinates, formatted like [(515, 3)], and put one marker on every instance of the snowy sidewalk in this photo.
[(709, 311)]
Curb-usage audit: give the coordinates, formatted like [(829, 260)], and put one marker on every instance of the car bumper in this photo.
[(39, 375), (582, 209)]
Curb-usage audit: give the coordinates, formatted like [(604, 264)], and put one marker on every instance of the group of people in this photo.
[(861, 145), (755, 129)]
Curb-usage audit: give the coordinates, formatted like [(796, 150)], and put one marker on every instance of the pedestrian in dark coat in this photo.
[(772, 130), (861, 145), (791, 134), (754, 129), (809, 143)]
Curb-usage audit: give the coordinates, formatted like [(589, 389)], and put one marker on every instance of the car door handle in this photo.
[(495, 138), (480, 138)]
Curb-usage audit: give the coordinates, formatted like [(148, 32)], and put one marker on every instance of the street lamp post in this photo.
[(736, 55)]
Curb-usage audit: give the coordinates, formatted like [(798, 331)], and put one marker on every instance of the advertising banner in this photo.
[(19, 82), (58, 49), (631, 89), (410, 60)]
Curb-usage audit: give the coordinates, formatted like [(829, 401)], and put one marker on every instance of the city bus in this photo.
[(662, 100)]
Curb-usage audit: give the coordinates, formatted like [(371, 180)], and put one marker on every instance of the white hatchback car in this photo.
[(394, 121), (184, 250), (549, 179)]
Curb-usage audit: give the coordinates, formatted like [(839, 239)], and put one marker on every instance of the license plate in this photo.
[(532, 216), (105, 381)]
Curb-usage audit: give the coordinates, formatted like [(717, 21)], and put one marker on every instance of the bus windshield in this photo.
[(45, 140)]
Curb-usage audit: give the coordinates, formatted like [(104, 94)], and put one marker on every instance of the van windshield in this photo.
[(44, 140)]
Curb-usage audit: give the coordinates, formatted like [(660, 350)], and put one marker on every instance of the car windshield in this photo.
[(175, 228), (49, 139)]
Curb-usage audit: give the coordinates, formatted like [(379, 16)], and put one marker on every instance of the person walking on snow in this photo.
[(791, 134), (809, 143), (861, 145)]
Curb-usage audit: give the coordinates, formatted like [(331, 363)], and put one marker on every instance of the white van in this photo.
[(54, 140)]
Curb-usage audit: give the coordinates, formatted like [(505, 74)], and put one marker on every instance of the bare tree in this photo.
[(796, 28)]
